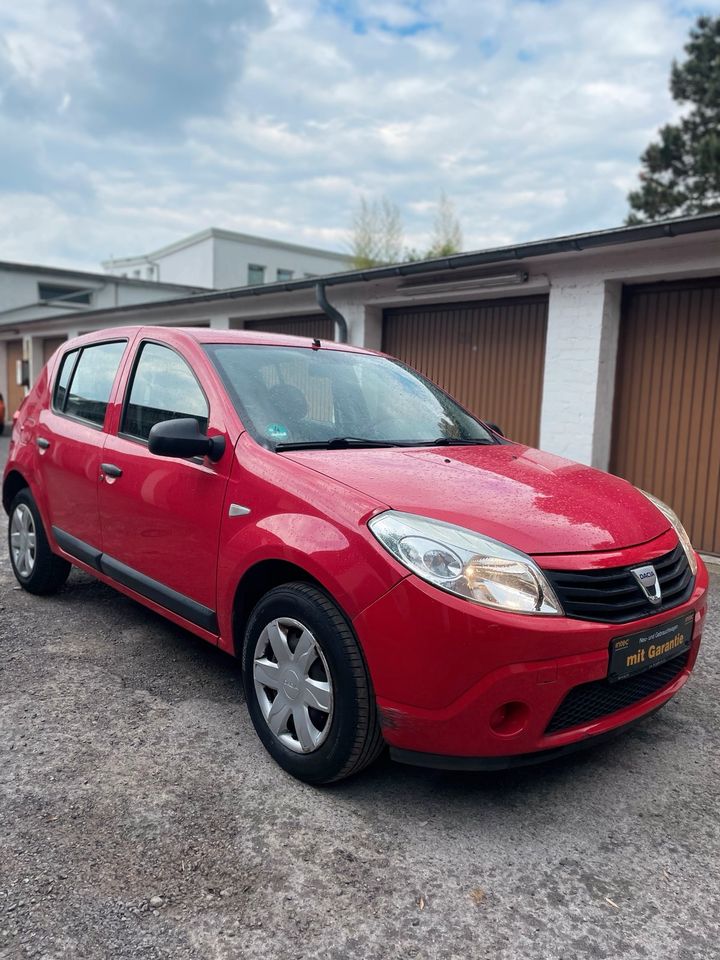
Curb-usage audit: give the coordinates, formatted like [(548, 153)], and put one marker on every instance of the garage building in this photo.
[(603, 347)]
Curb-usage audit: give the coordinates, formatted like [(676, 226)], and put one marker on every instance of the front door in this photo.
[(161, 516)]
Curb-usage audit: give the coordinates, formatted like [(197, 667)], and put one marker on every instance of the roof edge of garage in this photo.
[(573, 243)]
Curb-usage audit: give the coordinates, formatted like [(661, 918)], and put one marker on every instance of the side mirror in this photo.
[(495, 428), (182, 438)]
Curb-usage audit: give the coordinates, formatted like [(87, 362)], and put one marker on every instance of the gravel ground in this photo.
[(139, 817)]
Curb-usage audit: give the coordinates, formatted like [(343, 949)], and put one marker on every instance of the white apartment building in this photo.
[(224, 258), (33, 297)]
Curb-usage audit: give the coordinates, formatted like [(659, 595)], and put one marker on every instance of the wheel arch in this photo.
[(12, 485), (256, 582)]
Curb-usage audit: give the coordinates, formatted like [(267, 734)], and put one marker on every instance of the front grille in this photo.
[(613, 595), (600, 698)]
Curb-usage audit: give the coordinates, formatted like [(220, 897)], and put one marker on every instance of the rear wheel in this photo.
[(37, 569), (307, 687)]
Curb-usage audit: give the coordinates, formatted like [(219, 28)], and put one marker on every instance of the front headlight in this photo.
[(466, 563), (677, 527)]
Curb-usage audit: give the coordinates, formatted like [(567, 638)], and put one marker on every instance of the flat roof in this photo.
[(570, 244), (221, 234), (65, 273)]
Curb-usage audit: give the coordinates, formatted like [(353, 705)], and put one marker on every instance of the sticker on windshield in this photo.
[(276, 431)]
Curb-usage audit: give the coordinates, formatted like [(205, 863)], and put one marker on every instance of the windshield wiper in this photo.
[(335, 443), (345, 443), (459, 441)]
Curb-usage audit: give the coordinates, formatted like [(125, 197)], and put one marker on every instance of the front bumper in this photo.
[(479, 688), (416, 758)]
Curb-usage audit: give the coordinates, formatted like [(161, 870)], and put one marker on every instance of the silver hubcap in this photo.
[(293, 685), (23, 540)]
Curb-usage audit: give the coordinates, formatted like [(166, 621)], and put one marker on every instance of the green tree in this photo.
[(377, 233), (681, 170), (447, 232)]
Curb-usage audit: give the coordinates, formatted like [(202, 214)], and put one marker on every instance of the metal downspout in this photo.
[(341, 327)]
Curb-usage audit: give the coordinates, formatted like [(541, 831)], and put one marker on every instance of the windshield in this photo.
[(294, 396)]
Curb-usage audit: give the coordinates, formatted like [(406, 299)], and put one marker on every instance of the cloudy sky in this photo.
[(127, 124)]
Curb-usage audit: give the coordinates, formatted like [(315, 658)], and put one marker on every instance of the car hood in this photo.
[(535, 501)]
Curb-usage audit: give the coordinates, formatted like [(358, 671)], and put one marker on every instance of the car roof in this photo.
[(207, 335)]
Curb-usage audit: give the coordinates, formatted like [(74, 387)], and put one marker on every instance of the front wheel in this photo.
[(307, 687), (37, 569)]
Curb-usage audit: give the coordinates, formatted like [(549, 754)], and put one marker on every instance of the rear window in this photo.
[(84, 383), (61, 384)]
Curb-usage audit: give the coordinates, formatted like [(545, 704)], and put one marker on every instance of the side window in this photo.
[(61, 384), (162, 388), (89, 391)]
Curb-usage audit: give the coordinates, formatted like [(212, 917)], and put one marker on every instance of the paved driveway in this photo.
[(140, 818)]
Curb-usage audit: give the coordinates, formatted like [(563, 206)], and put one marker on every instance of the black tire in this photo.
[(353, 738), (49, 572)]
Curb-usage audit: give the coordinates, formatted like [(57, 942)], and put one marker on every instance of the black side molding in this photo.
[(78, 548), (153, 590), (170, 599)]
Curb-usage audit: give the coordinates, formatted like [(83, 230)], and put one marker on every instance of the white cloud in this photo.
[(530, 115)]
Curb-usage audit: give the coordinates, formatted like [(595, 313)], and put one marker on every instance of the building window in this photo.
[(310, 276), (284, 274), (150, 272), (54, 291), (136, 273), (256, 274)]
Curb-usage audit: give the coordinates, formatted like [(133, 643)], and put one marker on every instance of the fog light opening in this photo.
[(509, 718)]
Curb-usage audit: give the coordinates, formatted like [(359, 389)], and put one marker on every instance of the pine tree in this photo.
[(681, 171)]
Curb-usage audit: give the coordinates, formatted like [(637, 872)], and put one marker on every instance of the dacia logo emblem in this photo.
[(649, 583)]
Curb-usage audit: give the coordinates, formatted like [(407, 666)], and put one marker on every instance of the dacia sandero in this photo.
[(389, 569)]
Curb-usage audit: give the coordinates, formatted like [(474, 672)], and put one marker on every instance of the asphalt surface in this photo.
[(140, 817)]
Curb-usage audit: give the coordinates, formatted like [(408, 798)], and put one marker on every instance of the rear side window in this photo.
[(61, 384), (163, 387), (90, 382)]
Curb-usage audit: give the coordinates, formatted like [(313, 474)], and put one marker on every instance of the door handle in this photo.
[(42, 443), (110, 470)]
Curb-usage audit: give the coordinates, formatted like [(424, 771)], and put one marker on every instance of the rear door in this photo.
[(161, 516), (70, 439)]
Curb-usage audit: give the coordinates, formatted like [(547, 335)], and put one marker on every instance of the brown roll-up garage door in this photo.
[(489, 355), (315, 325), (666, 424)]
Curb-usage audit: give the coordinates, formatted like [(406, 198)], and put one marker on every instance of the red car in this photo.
[(389, 569)]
